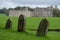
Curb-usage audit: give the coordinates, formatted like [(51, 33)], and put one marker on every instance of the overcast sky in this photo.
[(30, 3)]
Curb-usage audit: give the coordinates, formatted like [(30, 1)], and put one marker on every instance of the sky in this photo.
[(29, 3)]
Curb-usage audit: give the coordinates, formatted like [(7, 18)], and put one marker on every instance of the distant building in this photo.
[(43, 12), (37, 12)]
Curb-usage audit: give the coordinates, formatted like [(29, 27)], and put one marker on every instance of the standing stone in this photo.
[(43, 28), (8, 24), (21, 23)]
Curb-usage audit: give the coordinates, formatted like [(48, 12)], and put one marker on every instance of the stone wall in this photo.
[(37, 12), (19, 12), (43, 12)]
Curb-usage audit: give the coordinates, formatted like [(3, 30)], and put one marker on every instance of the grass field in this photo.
[(31, 23)]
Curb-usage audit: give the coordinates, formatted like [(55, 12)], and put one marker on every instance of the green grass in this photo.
[(31, 23)]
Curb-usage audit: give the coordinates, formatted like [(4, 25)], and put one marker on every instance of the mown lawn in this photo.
[(31, 23)]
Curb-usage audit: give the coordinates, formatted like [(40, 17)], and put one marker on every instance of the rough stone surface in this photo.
[(21, 23), (43, 28), (35, 12), (8, 24)]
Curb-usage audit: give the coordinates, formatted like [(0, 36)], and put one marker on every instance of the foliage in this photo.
[(56, 12)]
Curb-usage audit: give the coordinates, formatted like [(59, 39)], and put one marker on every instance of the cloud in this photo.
[(30, 3), (37, 2), (7, 4)]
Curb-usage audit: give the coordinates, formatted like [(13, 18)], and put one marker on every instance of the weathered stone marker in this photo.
[(21, 23), (8, 24), (43, 28)]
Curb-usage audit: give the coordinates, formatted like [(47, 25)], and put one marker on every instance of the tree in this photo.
[(56, 12), (17, 8)]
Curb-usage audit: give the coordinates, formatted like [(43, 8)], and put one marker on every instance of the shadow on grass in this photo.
[(1, 28), (28, 33), (57, 30)]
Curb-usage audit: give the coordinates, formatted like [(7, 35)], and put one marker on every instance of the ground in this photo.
[(31, 23)]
